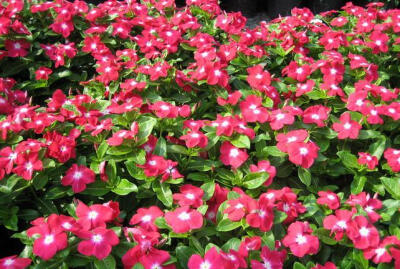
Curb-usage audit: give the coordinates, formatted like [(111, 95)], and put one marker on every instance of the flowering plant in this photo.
[(141, 135)]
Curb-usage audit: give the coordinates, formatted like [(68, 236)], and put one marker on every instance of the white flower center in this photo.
[(364, 232), (303, 151), (347, 126), (8, 262), (184, 216), (342, 224), (97, 238), (93, 215), (77, 175), (49, 239), (301, 239), (234, 153), (189, 196), (146, 218), (205, 265)]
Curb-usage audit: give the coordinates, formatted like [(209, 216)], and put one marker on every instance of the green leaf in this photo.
[(119, 150), (232, 243), (40, 181), (298, 265), (177, 149), (377, 148), (146, 125), (349, 160), (368, 134), (138, 156), (161, 147), (208, 189), (226, 225), (202, 165), (107, 263), (255, 180), (392, 185), (135, 171), (279, 216), (273, 151), (101, 150), (125, 187), (358, 184), (98, 188), (183, 253), (304, 175), (241, 141), (163, 192)]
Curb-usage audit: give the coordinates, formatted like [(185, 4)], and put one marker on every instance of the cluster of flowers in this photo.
[(236, 140)]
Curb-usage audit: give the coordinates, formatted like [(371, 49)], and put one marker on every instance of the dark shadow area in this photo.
[(9, 246)]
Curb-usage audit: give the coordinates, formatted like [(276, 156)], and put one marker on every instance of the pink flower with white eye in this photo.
[(316, 114), (362, 233), (278, 119), (231, 155), (299, 239), (78, 177), (252, 109), (14, 262), (98, 243), (329, 199), (195, 138), (43, 73), (367, 159), (183, 219), (212, 260), (145, 217), (347, 128), (264, 166), (189, 196), (90, 217)]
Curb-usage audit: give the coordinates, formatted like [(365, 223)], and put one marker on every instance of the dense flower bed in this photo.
[(142, 135)]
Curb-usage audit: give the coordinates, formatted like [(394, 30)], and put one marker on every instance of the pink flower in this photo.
[(258, 78), (393, 158), (145, 217), (278, 119), (293, 136), (154, 166), (303, 154), (14, 262), (90, 217), (380, 253), (211, 260), (262, 217), (272, 259), (231, 155), (316, 114), (184, 219), (98, 243), (27, 164), (264, 166), (43, 73), (17, 48), (252, 110), (338, 223), (294, 71), (52, 237), (367, 159), (347, 128), (329, 199), (299, 239), (195, 138), (190, 196), (362, 233), (78, 177)]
